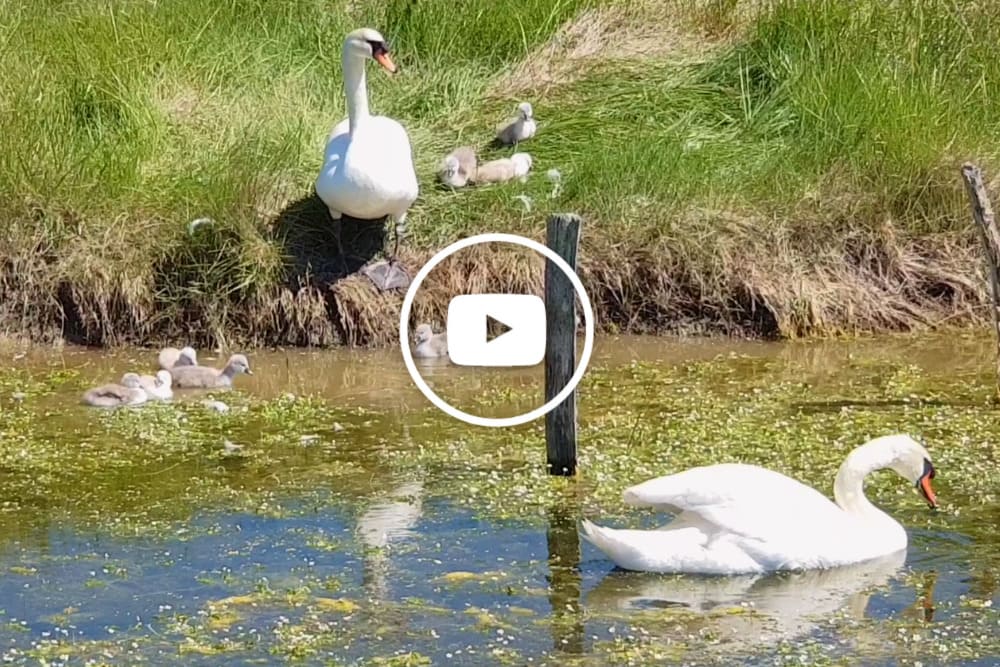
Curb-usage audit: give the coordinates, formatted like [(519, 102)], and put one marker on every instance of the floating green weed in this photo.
[(157, 474)]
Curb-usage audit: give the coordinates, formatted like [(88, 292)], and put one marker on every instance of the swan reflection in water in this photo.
[(784, 605), (382, 527), (386, 525)]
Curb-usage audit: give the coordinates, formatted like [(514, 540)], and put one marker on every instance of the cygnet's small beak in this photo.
[(383, 59), (248, 371)]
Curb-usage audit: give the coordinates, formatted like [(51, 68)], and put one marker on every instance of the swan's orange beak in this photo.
[(924, 484), (383, 59)]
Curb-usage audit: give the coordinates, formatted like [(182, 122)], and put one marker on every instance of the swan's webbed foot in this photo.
[(387, 274)]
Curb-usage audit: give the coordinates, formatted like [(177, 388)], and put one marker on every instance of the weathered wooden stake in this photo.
[(563, 236), (982, 213)]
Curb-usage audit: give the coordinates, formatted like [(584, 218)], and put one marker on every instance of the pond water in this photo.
[(331, 516)]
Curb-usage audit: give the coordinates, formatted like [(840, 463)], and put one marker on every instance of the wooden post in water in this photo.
[(563, 236), (982, 213)]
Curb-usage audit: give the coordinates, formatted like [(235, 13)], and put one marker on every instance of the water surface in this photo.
[(351, 523)]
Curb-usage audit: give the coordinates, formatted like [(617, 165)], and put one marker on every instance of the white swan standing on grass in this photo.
[(734, 518), (368, 170)]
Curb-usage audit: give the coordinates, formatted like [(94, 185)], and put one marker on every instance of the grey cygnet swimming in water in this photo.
[(171, 356), (206, 377), (430, 344), (129, 392), (158, 386)]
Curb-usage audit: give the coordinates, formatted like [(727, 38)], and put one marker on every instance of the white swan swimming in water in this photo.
[(734, 518), (368, 170), (206, 377)]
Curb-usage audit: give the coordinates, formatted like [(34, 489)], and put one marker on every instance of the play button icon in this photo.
[(496, 330)]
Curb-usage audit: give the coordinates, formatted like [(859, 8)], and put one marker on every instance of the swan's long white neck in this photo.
[(848, 488), (355, 87)]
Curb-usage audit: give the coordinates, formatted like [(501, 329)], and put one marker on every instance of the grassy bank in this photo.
[(784, 168)]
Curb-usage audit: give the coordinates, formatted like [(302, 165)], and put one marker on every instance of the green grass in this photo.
[(750, 148)]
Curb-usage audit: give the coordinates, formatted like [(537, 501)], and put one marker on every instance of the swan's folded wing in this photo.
[(743, 500)]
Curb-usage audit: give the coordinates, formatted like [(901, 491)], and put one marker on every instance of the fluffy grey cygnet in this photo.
[(129, 392), (458, 168), (505, 169), (522, 126), (171, 356), (206, 377), (430, 344), (158, 386)]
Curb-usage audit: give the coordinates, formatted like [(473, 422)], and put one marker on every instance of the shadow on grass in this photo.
[(309, 236)]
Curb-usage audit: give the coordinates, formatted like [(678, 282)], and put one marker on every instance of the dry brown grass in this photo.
[(30, 304), (111, 284), (762, 281), (682, 30), (878, 283)]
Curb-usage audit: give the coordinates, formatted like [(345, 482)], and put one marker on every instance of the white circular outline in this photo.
[(404, 330)]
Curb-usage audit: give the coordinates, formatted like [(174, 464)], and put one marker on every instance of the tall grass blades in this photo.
[(779, 168)]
